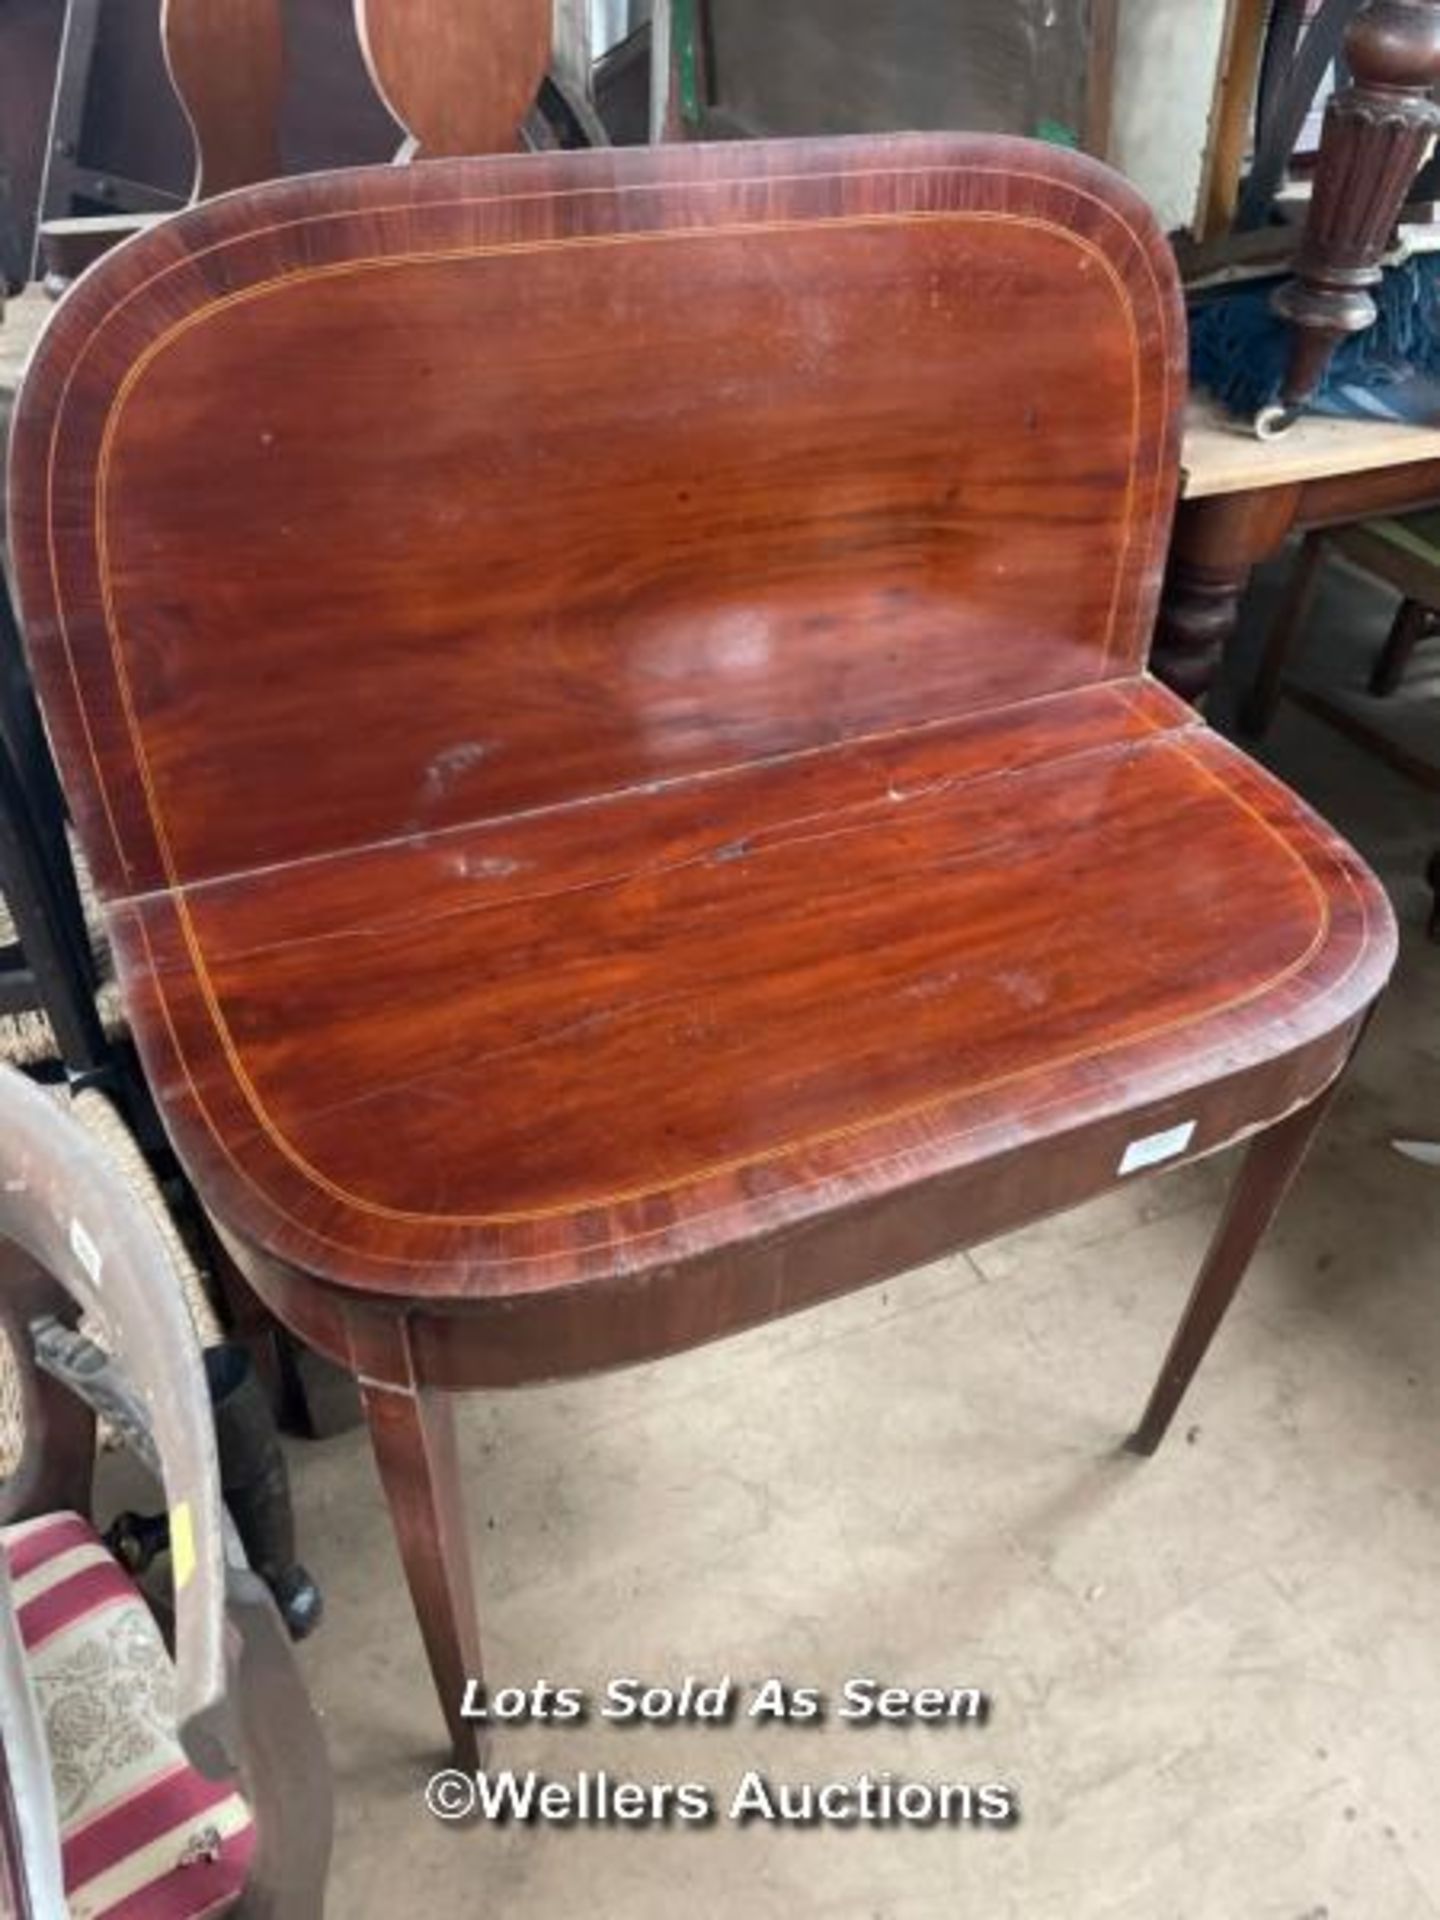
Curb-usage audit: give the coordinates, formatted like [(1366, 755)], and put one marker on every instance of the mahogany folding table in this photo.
[(605, 695)]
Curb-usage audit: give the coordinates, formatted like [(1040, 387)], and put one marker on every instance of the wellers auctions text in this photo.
[(601, 1799)]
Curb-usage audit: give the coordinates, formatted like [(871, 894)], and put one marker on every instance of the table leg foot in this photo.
[(1261, 1184), (413, 1435)]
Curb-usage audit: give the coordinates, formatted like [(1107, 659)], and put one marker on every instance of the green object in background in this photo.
[(1057, 133), (687, 60)]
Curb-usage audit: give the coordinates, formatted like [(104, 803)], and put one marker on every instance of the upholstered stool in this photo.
[(141, 1831)]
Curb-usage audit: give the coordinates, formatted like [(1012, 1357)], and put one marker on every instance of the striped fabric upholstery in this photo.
[(144, 1836)]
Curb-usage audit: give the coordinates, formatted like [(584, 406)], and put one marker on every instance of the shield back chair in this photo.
[(226, 66), (186, 1787), (674, 824), (458, 76)]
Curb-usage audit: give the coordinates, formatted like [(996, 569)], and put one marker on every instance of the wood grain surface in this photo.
[(227, 64), (457, 75)]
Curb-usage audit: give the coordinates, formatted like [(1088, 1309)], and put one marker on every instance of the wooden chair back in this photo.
[(226, 61), (460, 77), (457, 76)]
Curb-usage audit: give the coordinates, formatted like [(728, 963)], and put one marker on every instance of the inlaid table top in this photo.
[(605, 697), (632, 1028)]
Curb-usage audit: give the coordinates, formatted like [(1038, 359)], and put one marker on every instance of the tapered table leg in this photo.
[(1413, 623), (1198, 615), (1261, 1184), (413, 1434), (1218, 540), (1257, 709)]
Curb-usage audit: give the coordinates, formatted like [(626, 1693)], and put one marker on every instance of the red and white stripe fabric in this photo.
[(144, 1836)]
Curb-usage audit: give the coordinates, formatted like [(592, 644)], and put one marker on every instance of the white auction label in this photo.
[(1156, 1147)]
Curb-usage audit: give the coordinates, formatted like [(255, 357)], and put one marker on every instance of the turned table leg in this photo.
[(413, 1434), (1198, 614), (1375, 134), (1218, 540), (1269, 1166)]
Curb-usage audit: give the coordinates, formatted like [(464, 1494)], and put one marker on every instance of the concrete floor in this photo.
[(1214, 1675)]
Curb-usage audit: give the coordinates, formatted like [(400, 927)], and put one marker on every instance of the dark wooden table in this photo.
[(1242, 498), (605, 698)]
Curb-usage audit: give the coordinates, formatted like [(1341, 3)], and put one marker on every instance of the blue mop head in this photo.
[(1391, 371)]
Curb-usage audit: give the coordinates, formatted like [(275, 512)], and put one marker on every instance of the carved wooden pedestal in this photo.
[(1376, 133), (1375, 136)]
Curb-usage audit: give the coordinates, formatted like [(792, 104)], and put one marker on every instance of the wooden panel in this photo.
[(459, 76), (598, 486), (1232, 127), (226, 61)]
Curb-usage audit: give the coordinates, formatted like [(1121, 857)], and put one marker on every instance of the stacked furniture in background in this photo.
[(1239, 506), (446, 76)]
